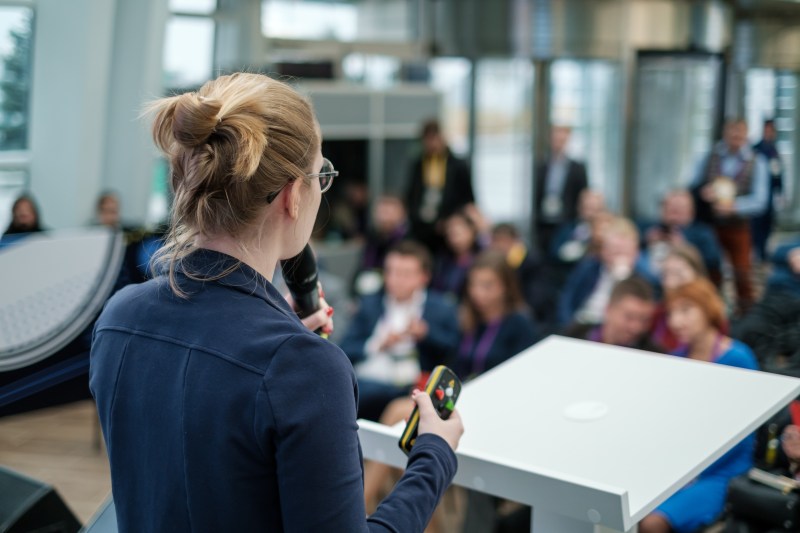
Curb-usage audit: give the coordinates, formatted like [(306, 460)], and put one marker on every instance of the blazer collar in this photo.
[(217, 267)]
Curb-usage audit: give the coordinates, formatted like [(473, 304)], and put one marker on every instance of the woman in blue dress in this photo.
[(696, 316)]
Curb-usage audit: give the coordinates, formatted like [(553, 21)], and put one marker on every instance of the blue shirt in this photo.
[(222, 412)]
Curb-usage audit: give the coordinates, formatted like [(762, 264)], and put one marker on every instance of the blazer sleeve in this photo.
[(308, 407)]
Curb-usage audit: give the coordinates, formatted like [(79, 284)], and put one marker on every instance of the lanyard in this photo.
[(479, 352)]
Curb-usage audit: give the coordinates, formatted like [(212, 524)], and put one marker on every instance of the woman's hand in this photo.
[(429, 422), (322, 319)]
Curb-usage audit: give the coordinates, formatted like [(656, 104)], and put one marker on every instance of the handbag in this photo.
[(765, 501), (763, 506)]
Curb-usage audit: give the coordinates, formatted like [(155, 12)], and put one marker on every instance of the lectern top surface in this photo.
[(615, 417)]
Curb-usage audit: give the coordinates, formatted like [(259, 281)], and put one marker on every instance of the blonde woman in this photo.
[(221, 410)]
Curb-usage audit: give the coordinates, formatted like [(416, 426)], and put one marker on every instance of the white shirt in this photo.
[(398, 364)]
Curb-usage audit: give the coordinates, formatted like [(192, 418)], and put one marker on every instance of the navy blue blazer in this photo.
[(222, 412), (435, 349)]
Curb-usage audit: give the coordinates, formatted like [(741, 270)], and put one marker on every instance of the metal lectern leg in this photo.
[(544, 522)]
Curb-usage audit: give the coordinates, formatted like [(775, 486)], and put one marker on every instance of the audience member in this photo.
[(697, 317), (681, 265), (559, 182), (462, 245), (494, 328), (349, 214), (587, 290), (627, 318), (761, 225), (107, 211), (24, 216), (731, 187), (785, 270), (534, 285), (440, 184), (573, 240), (677, 226), (389, 227), (399, 333)]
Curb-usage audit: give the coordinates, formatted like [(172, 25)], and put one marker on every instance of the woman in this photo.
[(220, 409), (462, 239), (24, 216), (696, 315), (494, 328), (682, 264)]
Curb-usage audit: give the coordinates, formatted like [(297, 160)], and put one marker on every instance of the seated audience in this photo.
[(681, 265), (536, 289), (587, 290), (389, 226), (494, 328), (677, 226), (462, 244), (400, 332), (771, 327), (24, 217), (697, 317), (627, 318)]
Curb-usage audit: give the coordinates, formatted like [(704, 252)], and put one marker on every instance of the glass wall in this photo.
[(338, 20), (585, 95), (502, 156), (16, 44), (677, 106), (450, 76), (773, 94)]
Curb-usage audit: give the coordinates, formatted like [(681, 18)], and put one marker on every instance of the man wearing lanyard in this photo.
[(559, 183), (440, 184), (731, 187)]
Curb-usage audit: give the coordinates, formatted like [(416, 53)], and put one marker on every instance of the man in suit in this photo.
[(761, 225), (559, 183), (678, 226), (440, 184), (401, 333)]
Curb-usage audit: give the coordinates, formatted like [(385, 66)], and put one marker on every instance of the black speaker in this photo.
[(29, 506)]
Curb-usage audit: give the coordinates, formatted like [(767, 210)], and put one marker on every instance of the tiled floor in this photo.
[(58, 446)]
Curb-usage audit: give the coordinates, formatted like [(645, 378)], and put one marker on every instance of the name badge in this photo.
[(551, 206)]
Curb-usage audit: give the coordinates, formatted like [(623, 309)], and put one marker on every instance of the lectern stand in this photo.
[(589, 434)]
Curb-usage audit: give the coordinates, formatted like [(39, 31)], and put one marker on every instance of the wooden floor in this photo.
[(58, 446)]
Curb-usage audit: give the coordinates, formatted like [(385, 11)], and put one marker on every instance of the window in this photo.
[(188, 51), (16, 40), (337, 20)]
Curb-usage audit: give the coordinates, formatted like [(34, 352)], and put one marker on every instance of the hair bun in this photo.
[(195, 119)]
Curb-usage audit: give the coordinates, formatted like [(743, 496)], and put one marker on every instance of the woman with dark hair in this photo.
[(696, 315), (24, 216), (221, 409), (462, 244), (494, 324)]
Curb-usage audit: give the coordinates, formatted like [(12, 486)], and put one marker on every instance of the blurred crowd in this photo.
[(438, 283)]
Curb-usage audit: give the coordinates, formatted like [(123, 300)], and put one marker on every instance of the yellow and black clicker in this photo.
[(443, 387)]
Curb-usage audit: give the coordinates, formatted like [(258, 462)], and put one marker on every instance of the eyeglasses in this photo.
[(325, 175)]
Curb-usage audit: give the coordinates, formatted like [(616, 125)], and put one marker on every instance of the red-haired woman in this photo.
[(696, 316)]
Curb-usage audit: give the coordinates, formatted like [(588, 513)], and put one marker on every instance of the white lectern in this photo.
[(593, 434)]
